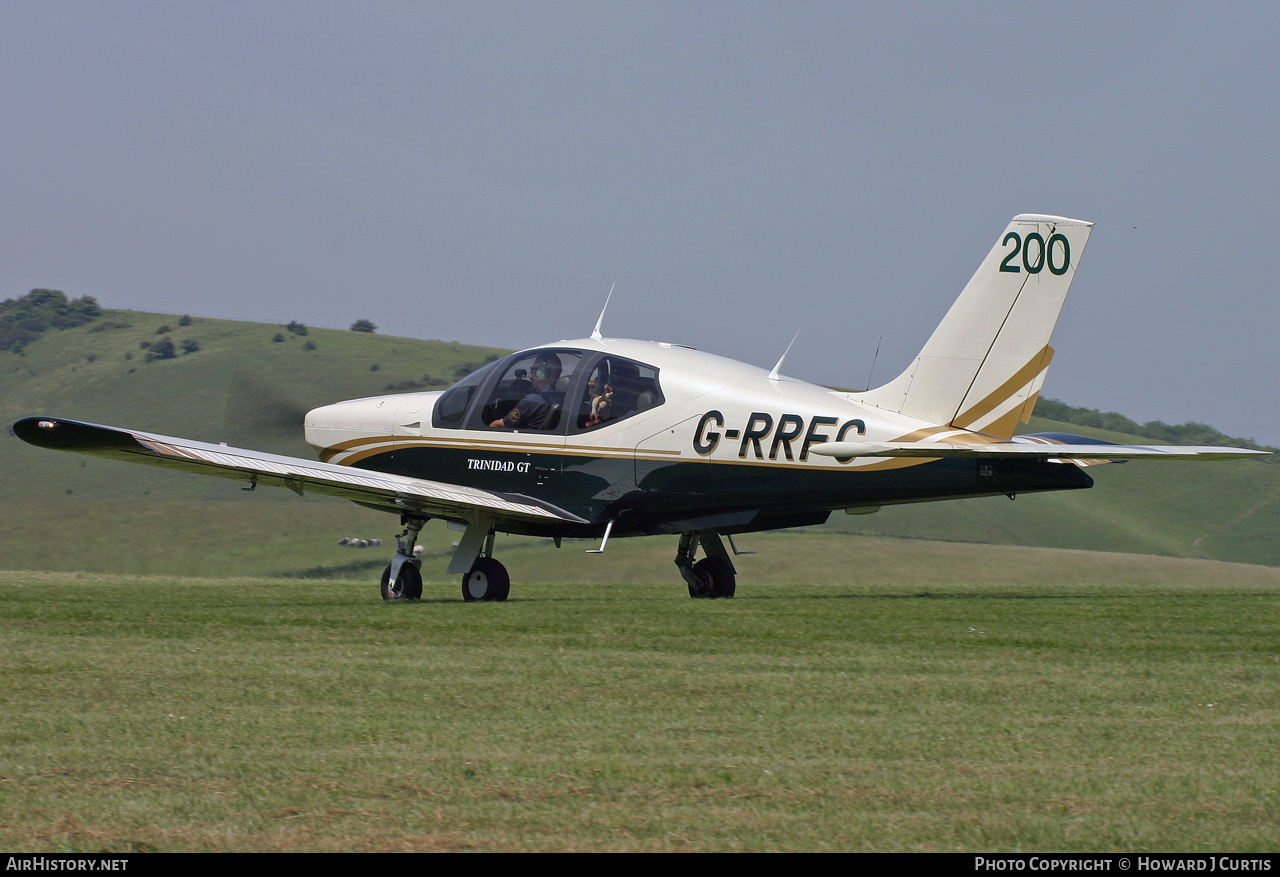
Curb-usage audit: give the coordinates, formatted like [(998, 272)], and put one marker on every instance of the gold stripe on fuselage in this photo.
[(384, 444), (376, 445)]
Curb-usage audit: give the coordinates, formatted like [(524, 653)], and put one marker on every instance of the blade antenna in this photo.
[(873, 361), (595, 333), (773, 375)]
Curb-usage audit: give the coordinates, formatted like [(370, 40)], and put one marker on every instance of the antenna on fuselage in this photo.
[(773, 375), (873, 361), (595, 333)]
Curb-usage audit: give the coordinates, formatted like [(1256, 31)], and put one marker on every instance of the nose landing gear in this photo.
[(406, 584), (402, 580)]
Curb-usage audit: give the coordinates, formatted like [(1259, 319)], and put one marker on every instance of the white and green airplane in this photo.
[(603, 437)]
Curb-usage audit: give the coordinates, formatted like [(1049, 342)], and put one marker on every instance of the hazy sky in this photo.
[(484, 171)]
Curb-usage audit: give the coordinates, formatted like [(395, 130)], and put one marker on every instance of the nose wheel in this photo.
[(402, 579), (406, 583)]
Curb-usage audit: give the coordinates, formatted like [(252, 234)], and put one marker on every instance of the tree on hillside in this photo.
[(363, 326), (22, 320), (1180, 434)]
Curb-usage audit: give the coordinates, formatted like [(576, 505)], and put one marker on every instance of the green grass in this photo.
[(859, 694), (234, 537)]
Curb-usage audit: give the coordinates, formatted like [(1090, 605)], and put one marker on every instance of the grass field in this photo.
[(859, 694)]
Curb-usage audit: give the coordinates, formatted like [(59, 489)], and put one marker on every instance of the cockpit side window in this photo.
[(451, 408), (530, 393), (616, 389)]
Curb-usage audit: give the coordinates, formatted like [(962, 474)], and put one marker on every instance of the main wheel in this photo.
[(407, 586), (715, 577), (487, 580)]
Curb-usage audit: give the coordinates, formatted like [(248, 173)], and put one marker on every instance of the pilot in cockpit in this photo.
[(531, 411)]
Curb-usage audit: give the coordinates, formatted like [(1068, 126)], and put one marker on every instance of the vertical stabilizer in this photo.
[(983, 366)]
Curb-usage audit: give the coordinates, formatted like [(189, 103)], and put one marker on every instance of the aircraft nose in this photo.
[(324, 425)]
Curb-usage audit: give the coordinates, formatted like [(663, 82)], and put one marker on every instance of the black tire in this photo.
[(716, 579), (407, 586), (487, 581)]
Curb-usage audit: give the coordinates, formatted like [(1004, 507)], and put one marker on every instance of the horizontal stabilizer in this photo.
[(1025, 450)]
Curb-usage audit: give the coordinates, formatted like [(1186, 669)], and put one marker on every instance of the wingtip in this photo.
[(61, 434)]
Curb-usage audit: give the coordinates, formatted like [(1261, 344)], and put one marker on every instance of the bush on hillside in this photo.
[(162, 349), (22, 320)]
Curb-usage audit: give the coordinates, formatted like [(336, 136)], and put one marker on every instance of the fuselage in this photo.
[(660, 438)]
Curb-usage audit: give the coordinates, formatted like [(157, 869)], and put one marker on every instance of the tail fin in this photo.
[(983, 366)]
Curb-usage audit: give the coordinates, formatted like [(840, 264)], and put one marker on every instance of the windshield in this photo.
[(452, 406)]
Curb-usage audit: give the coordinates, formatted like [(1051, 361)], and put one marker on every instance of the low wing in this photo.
[(1032, 447), (381, 490)]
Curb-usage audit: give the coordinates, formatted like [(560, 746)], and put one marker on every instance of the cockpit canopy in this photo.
[(553, 390)]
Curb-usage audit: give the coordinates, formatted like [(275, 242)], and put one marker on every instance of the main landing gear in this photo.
[(711, 578), (483, 578), (486, 580)]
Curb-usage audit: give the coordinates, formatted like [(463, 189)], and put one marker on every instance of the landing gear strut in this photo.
[(712, 577), (402, 580), (487, 580)]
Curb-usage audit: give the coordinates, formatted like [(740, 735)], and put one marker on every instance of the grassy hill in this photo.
[(249, 383), (242, 386), (1227, 510)]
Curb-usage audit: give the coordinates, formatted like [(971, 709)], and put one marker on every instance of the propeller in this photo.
[(263, 416)]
